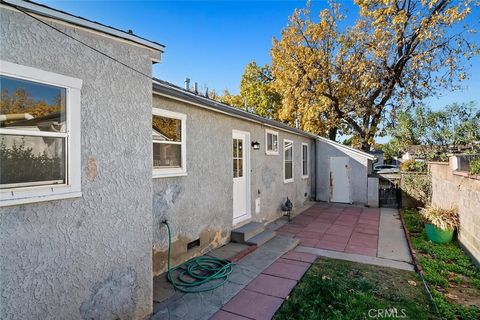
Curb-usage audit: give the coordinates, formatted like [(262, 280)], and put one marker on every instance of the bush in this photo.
[(475, 166), (445, 219), (412, 165)]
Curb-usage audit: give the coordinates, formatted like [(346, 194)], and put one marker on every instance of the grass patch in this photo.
[(451, 277), (335, 289)]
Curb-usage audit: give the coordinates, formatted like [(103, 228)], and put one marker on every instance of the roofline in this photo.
[(82, 22), (172, 91), (359, 152)]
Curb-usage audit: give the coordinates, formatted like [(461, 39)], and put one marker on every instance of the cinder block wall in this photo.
[(452, 188)]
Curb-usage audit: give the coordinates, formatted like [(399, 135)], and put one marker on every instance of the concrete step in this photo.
[(261, 238), (250, 230)]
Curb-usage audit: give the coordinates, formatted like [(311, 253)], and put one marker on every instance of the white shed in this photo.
[(342, 174)]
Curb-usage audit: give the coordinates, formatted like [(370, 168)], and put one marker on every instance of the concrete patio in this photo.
[(340, 228)]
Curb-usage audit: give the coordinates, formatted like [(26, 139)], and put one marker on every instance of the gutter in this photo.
[(49, 12), (165, 89)]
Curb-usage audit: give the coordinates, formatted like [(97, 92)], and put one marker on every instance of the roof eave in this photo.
[(49, 12), (161, 87), (356, 151)]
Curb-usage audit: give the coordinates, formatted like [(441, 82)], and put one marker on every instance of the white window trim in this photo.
[(308, 160), (72, 187), (293, 162), (270, 152), (173, 172)]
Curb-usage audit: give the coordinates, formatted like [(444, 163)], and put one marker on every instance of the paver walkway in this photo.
[(342, 228), (366, 235), (265, 294), (263, 279)]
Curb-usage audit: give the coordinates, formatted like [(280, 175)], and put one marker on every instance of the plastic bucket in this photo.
[(438, 235)]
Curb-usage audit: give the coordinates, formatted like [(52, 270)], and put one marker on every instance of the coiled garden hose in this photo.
[(191, 275)]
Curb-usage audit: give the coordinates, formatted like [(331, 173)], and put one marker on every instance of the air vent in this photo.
[(193, 244)]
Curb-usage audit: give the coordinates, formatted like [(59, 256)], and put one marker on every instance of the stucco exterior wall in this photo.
[(450, 188), (359, 170), (88, 257), (200, 205)]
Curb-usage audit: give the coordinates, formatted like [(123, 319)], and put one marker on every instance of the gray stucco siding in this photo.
[(60, 258), (200, 205), (359, 170)]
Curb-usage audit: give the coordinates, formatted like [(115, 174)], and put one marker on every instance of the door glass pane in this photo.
[(240, 148), (167, 155), (235, 168), (27, 160), (28, 105), (166, 129), (235, 148), (240, 168)]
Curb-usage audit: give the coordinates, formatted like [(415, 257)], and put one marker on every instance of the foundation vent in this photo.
[(193, 244)]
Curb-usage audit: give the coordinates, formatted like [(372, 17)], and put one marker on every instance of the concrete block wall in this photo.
[(456, 188)]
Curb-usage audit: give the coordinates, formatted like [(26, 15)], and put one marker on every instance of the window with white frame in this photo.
[(271, 142), (305, 161), (169, 143), (287, 160), (39, 135)]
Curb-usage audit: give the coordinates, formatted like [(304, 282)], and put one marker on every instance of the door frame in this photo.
[(248, 187)]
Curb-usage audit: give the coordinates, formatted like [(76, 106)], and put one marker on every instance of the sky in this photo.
[(210, 42)]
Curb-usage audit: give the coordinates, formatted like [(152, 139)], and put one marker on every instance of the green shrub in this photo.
[(412, 165), (475, 166)]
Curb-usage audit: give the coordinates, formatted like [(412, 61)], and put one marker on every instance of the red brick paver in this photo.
[(343, 228), (262, 297), (253, 305), (272, 286), (224, 315)]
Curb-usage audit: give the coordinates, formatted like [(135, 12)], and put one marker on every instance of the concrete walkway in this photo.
[(392, 243)]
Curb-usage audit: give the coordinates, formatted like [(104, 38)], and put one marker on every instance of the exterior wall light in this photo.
[(255, 145)]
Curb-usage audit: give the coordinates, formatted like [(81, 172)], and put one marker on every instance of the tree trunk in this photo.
[(332, 134)]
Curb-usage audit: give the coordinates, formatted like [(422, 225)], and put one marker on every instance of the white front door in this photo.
[(340, 180), (241, 175)]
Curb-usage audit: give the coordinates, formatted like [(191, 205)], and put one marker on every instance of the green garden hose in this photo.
[(190, 276)]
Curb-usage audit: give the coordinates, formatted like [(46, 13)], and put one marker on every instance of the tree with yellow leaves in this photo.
[(256, 92), (398, 53)]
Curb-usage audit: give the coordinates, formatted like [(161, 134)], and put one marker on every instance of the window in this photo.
[(39, 135), (305, 160), (168, 135), (287, 161), (238, 153), (271, 142)]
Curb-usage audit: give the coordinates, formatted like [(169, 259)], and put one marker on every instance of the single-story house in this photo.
[(95, 154)]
